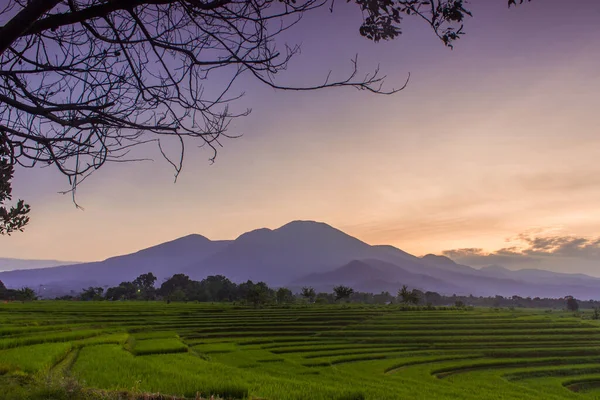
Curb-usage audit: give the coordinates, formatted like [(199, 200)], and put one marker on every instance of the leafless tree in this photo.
[(82, 82)]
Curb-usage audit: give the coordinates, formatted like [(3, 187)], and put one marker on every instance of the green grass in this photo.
[(158, 346), (94, 350)]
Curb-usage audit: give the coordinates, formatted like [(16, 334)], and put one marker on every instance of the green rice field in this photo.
[(140, 350)]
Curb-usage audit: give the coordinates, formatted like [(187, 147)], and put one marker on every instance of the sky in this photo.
[(491, 148)]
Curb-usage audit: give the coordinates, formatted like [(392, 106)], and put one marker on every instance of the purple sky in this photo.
[(496, 138)]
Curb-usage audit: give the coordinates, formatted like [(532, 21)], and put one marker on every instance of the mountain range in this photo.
[(9, 264), (304, 253)]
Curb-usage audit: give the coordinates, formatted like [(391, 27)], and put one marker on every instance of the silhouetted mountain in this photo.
[(373, 276), (540, 276), (448, 264), (281, 255), (9, 264), (308, 253), (163, 260)]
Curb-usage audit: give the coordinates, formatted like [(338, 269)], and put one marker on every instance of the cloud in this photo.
[(531, 249), (477, 257), (564, 246)]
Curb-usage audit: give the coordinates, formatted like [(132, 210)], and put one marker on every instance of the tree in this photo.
[(409, 296), (433, 298), (383, 298), (145, 281), (174, 283), (284, 295), (259, 294), (16, 217), (572, 304), (342, 292), (25, 294), (84, 81), (404, 294), (325, 298), (145, 286), (125, 291), (309, 294), (416, 296), (217, 288), (91, 293), (177, 295)]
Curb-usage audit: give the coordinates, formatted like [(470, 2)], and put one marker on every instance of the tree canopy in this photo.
[(342, 292), (11, 218)]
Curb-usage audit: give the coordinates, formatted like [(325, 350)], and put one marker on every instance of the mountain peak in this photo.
[(495, 268), (304, 224), (188, 243), (437, 260)]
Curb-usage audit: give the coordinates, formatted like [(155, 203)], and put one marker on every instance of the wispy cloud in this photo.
[(531, 249)]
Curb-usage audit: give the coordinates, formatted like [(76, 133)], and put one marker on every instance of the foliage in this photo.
[(284, 296), (258, 294), (174, 286), (342, 292), (16, 217), (145, 286), (218, 288), (125, 291), (572, 304), (92, 293), (308, 293), (409, 296), (23, 294)]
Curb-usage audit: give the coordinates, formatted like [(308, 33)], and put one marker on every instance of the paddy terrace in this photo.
[(141, 350)]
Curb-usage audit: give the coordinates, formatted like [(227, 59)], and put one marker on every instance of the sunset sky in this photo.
[(491, 146)]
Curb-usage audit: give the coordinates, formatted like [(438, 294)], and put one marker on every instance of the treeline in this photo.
[(218, 288), (181, 288), (24, 294)]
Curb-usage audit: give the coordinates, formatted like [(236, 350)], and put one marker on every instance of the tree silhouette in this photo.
[(91, 293), (284, 295), (26, 294), (342, 292), (408, 296), (572, 304), (259, 294), (82, 82), (308, 293), (14, 218)]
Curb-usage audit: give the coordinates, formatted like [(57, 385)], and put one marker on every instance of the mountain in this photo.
[(296, 249), (447, 264), (9, 264), (163, 260), (281, 255), (541, 276), (307, 253), (373, 276)]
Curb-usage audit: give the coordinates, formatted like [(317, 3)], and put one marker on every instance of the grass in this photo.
[(158, 346), (35, 358), (104, 350)]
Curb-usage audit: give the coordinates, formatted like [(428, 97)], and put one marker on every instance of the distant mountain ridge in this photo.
[(307, 253), (9, 264)]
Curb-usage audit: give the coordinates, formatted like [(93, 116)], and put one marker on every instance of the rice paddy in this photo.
[(299, 353)]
